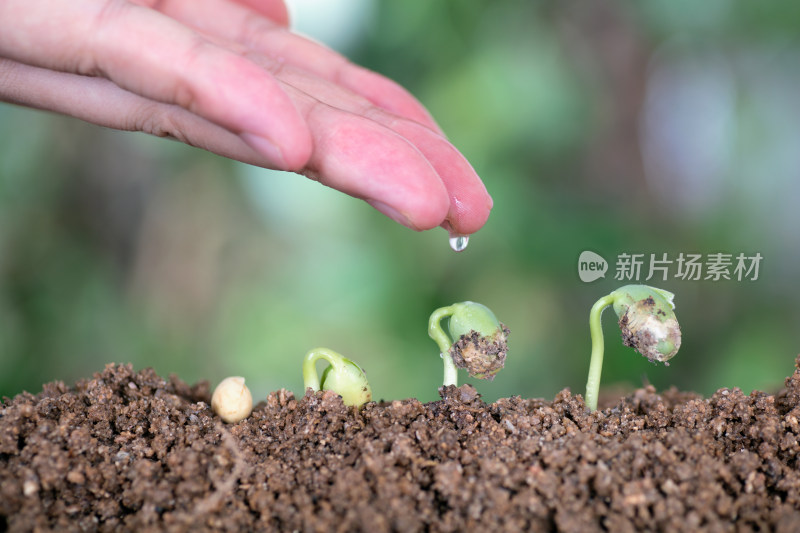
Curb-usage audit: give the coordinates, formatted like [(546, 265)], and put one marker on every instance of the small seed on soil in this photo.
[(232, 400)]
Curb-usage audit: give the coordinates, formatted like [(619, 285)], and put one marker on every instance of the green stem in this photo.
[(596, 362), (310, 377), (444, 342)]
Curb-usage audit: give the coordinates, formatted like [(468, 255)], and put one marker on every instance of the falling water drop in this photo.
[(459, 242)]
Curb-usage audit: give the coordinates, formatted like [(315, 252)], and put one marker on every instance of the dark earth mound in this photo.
[(130, 451)]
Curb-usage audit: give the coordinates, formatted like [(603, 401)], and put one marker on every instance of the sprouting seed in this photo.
[(232, 400), (477, 340), (648, 325), (343, 376)]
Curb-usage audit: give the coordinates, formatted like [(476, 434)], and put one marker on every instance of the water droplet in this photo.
[(459, 242)]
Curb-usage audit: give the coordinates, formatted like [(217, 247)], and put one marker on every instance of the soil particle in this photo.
[(130, 451)]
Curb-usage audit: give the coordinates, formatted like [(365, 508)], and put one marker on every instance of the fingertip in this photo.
[(391, 212), (469, 204), (364, 159), (466, 218), (419, 212), (427, 212)]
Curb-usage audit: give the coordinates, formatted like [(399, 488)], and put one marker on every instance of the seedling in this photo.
[(232, 400), (648, 324), (343, 376), (477, 341)]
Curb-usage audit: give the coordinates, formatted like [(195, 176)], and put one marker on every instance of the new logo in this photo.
[(591, 266)]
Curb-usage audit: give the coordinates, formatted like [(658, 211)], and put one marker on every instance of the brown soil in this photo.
[(133, 452)]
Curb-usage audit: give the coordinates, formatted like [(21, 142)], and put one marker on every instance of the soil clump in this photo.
[(131, 451)]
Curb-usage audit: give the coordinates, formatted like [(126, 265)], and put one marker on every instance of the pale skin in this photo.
[(229, 76)]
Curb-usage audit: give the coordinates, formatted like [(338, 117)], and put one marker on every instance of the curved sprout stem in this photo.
[(310, 377), (596, 361), (444, 342)]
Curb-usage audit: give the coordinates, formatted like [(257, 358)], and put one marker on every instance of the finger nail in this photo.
[(266, 148), (392, 213)]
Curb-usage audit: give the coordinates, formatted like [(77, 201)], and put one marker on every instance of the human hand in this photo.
[(229, 77)]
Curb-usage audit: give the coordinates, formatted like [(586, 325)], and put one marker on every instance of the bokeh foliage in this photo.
[(614, 126)]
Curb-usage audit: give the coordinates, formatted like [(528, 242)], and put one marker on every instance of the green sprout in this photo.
[(342, 376), (648, 324), (477, 341)]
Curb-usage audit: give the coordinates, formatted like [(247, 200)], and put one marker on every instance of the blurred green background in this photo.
[(665, 126)]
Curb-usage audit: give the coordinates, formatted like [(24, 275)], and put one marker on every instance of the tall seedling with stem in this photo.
[(648, 324)]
